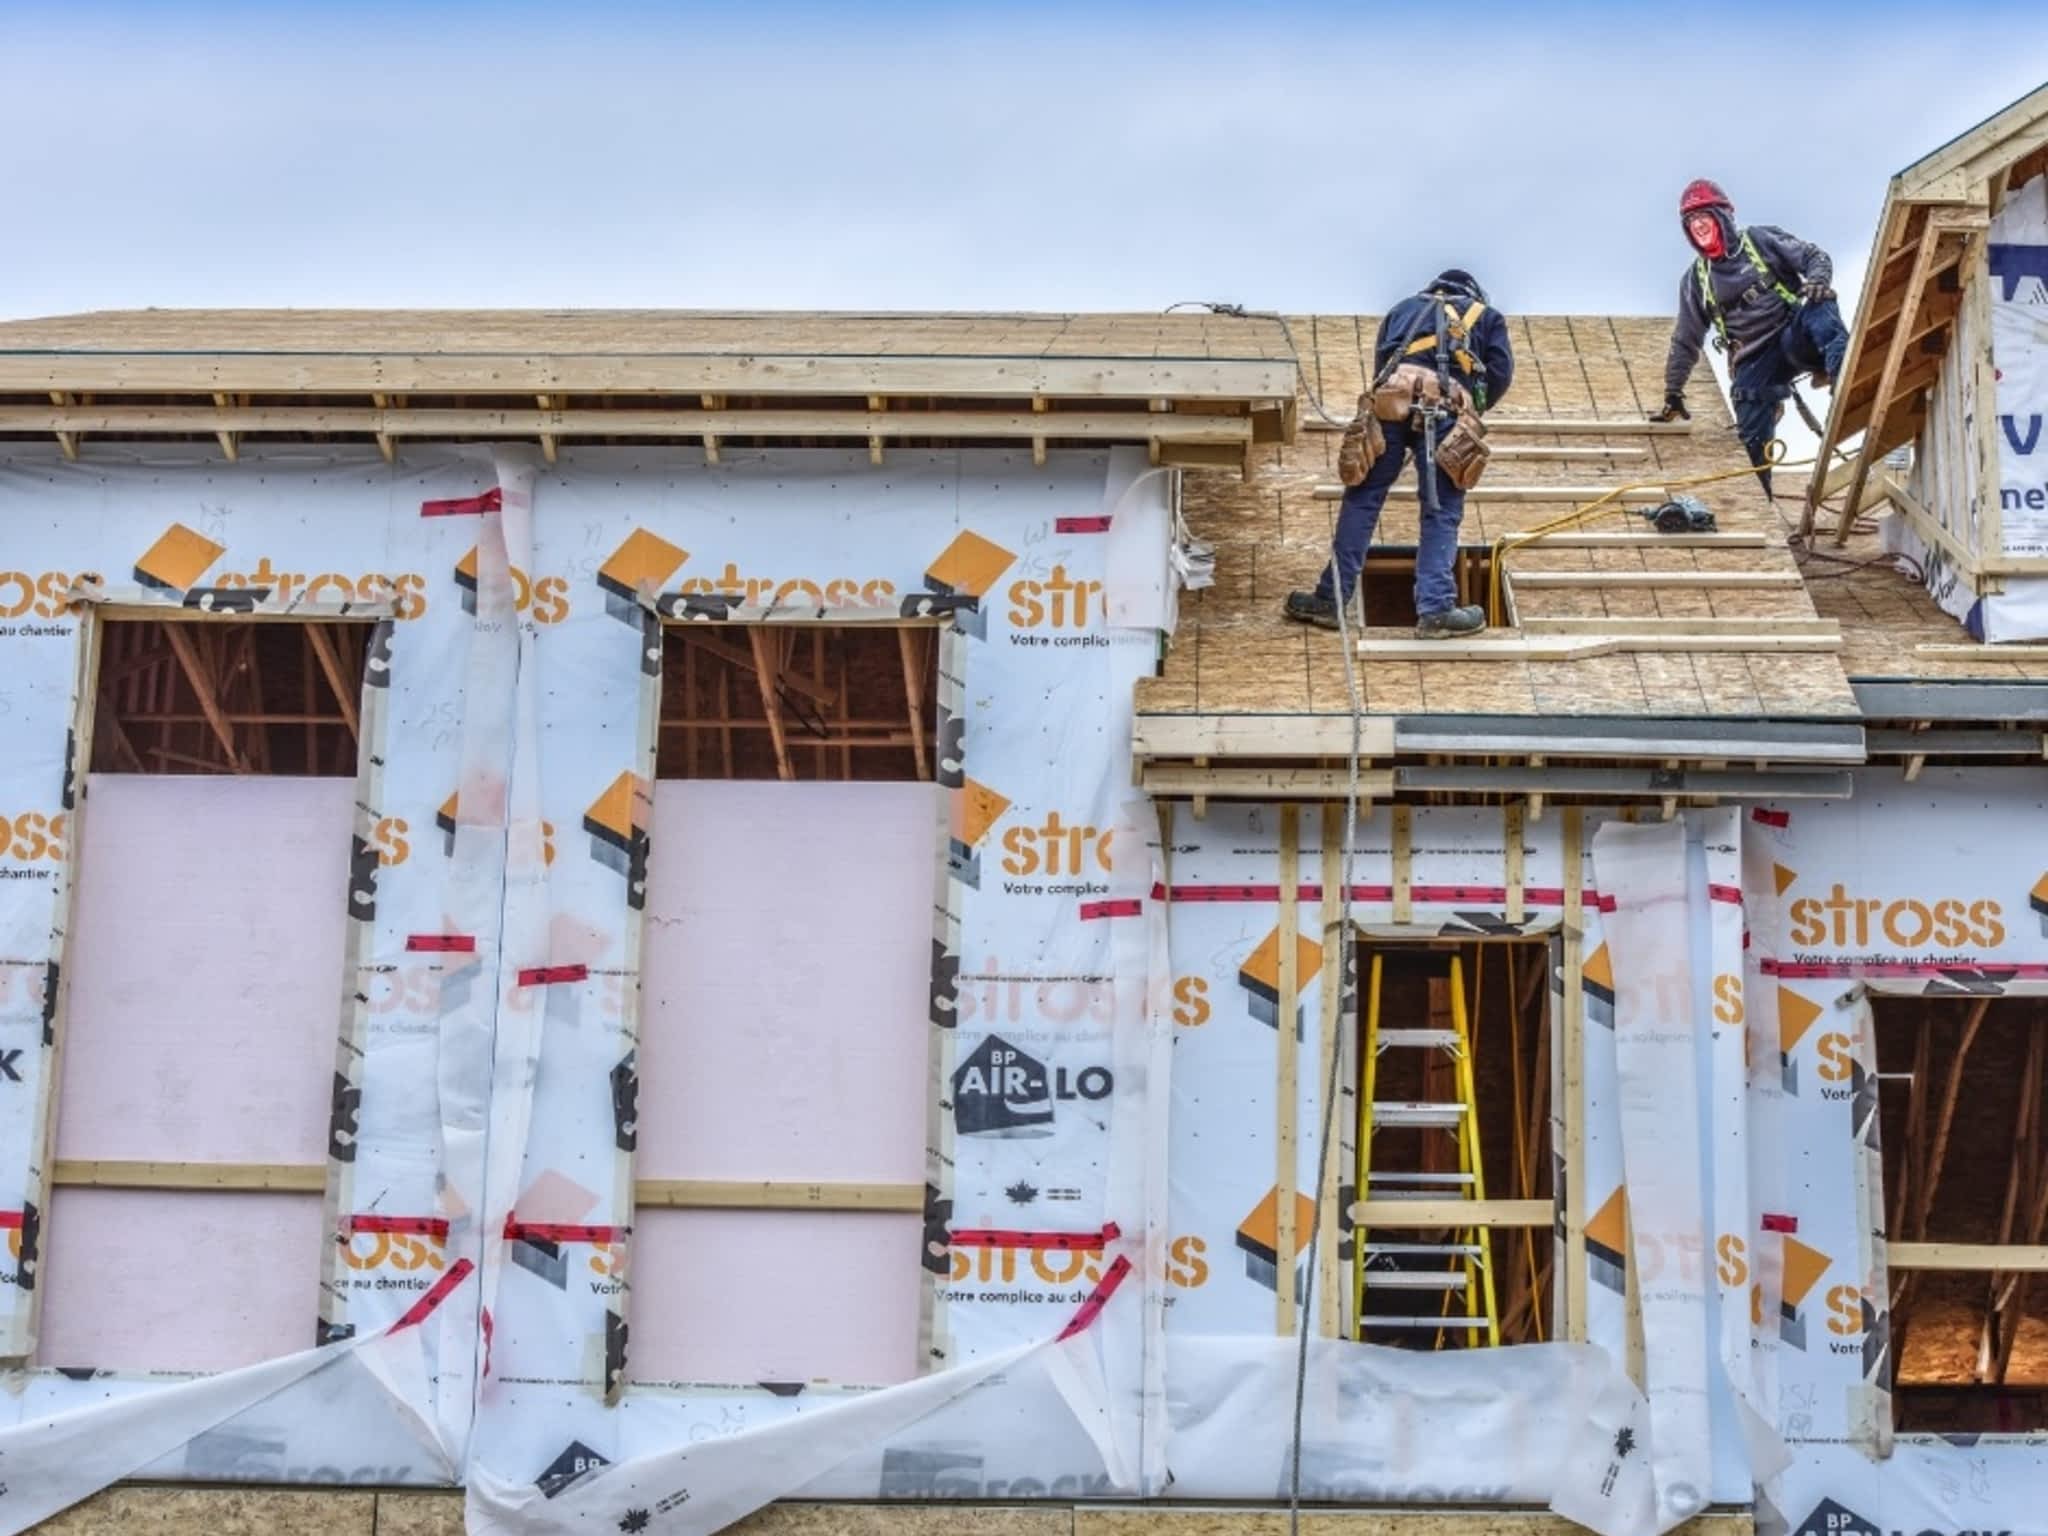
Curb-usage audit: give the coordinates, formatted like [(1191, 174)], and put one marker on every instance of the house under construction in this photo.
[(639, 920)]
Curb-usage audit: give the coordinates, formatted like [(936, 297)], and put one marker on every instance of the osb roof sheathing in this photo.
[(1190, 353), (1234, 653)]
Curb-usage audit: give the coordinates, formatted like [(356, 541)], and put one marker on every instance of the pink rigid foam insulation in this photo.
[(783, 1036), (786, 987), (153, 1280), (205, 969), (747, 1296)]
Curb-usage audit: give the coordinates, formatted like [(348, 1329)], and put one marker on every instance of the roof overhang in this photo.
[(1197, 389)]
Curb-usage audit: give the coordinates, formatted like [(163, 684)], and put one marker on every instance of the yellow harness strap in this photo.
[(1459, 327)]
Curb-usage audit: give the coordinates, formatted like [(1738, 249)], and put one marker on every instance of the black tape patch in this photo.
[(325, 1332), (938, 1235), (694, 605), (377, 661), (77, 1372), (952, 749), (614, 1352), (626, 1103), (70, 768), (945, 1009), (780, 1388), (31, 1241), (362, 880), (341, 1120), (226, 599), (50, 977), (650, 642), (936, 605)]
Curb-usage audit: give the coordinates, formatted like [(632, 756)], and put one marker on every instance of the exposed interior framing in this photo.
[(1963, 1091), (228, 694), (1410, 1202), (811, 700)]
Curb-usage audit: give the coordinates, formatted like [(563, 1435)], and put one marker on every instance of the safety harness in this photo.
[(1763, 271), (1453, 332)]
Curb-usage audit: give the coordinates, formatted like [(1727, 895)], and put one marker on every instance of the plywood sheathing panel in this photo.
[(1273, 536)]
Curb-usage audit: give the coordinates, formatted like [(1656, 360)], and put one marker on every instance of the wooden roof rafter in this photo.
[(1931, 241)]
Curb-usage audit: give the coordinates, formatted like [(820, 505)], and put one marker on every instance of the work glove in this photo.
[(1674, 409), (1814, 291)]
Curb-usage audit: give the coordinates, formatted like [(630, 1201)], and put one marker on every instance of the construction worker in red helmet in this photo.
[(1769, 298)]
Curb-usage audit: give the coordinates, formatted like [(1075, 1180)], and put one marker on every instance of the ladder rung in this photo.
[(1433, 1180), (1420, 1039), (1413, 1280), (1415, 1112), (1371, 1321), (1425, 1250)]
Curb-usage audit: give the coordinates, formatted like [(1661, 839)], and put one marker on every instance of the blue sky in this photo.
[(1071, 156)]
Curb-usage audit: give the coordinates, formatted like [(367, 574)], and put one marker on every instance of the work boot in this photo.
[(1308, 608), (1450, 623)]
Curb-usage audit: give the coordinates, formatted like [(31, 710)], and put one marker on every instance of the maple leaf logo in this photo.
[(1624, 1442), (634, 1520), (1022, 1192)]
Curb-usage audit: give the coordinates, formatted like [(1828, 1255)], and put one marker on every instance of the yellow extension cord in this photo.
[(1507, 543)]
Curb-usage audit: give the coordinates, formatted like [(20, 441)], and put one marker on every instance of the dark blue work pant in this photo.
[(1435, 591), (1813, 339)]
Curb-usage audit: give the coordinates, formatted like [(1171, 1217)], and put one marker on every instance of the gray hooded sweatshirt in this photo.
[(1750, 305)]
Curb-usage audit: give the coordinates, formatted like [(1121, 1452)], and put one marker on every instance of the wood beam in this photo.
[(766, 666), (330, 664), (396, 422), (774, 1195), (877, 405), (550, 445), (1536, 581), (1887, 381), (386, 445), (202, 686), (2004, 1258), (1439, 1215), (913, 693), (710, 439), (226, 439), (1039, 406), (67, 441)]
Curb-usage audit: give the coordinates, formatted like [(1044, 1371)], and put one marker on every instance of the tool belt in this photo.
[(1411, 388), (1462, 453), (1364, 441)]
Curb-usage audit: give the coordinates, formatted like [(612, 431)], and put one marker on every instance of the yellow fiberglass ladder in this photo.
[(1439, 1281)]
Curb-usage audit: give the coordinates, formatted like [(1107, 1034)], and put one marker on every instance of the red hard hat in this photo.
[(1702, 194)]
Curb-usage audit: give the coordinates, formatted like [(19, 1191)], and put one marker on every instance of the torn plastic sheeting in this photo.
[(1644, 867), (54, 1462), (879, 1444), (1379, 1425)]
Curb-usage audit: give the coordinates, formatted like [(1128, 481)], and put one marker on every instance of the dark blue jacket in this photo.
[(1489, 340)]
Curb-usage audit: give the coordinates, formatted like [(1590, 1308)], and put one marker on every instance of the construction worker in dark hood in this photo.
[(1450, 330), (1769, 297)]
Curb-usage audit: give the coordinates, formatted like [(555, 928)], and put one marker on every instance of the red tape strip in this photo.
[(1771, 818), (424, 1308), (9, 1220), (1098, 1298), (441, 944), (1773, 1223), (1091, 910), (1080, 525), (416, 1226), (1049, 1242), (1731, 893), (555, 1232), (548, 975), (492, 500), (2003, 970)]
